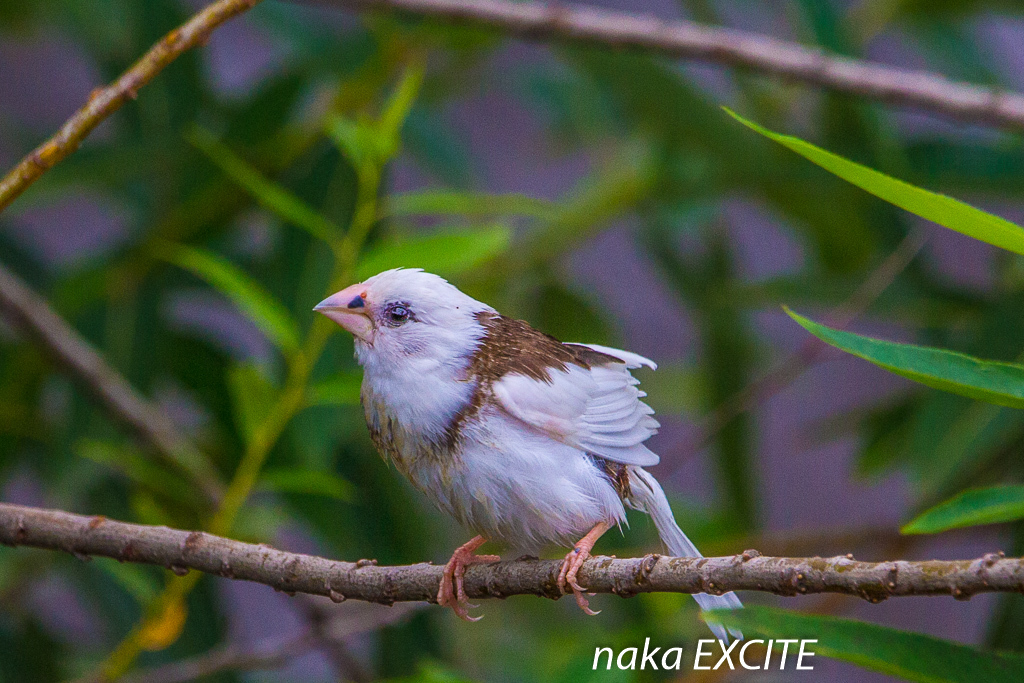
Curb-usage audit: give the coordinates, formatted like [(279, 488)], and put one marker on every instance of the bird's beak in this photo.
[(349, 309)]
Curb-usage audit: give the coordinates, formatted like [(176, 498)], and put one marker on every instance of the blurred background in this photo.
[(601, 195)]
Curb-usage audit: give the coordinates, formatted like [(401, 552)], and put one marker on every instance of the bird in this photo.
[(525, 440)]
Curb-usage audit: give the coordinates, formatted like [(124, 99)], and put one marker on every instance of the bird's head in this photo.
[(406, 313)]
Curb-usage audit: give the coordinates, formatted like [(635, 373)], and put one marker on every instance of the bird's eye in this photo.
[(397, 314)]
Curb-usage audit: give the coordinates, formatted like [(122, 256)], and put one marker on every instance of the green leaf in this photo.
[(311, 482), (130, 462), (938, 208), (912, 656), (430, 671), (255, 302), (252, 397), (398, 106), (136, 579), (376, 142), (454, 203), (147, 510), (958, 373), (359, 141), (269, 194), (971, 508), (342, 390), (446, 254)]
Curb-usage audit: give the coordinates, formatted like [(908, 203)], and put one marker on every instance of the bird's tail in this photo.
[(650, 498)]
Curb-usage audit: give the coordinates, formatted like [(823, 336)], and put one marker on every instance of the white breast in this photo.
[(515, 485)]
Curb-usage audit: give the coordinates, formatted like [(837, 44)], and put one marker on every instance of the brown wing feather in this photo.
[(514, 347)]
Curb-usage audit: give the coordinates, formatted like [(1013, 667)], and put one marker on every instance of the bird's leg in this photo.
[(575, 559), (452, 593)]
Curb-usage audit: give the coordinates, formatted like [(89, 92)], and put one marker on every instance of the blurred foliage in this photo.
[(909, 656), (243, 209), (913, 656)]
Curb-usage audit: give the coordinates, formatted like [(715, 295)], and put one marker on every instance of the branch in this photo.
[(363, 580), (30, 313), (105, 101), (269, 655), (731, 47), (682, 39), (333, 624)]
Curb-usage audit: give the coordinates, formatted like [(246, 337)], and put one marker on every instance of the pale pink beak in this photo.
[(349, 309)]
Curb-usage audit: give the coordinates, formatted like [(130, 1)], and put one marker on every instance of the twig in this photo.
[(790, 368), (105, 101), (682, 39), (333, 624), (330, 627), (363, 580), (30, 313), (270, 655), (691, 40)]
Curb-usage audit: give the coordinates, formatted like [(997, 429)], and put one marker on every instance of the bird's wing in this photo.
[(596, 408)]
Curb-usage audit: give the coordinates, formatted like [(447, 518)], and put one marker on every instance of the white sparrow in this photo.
[(523, 439)]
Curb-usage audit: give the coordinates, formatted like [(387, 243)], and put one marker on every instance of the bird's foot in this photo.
[(574, 559), (452, 592)]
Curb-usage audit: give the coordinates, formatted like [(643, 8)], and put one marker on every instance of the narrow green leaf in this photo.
[(958, 373), (377, 142), (148, 510), (342, 389), (359, 141), (448, 253), (397, 109), (971, 508), (252, 398), (311, 482), (130, 462), (938, 208), (433, 672), (455, 203), (136, 579), (912, 656), (269, 194), (258, 305)]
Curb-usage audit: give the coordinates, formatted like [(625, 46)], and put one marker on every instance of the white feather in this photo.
[(648, 496), (518, 487), (632, 360), (597, 410)]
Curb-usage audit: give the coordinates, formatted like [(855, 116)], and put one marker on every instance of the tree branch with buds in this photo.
[(182, 551)]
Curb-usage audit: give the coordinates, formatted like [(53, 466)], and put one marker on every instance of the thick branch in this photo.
[(105, 101), (30, 313), (363, 580), (690, 40)]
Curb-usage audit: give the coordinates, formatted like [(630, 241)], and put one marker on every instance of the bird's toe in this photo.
[(574, 559), (452, 591)]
